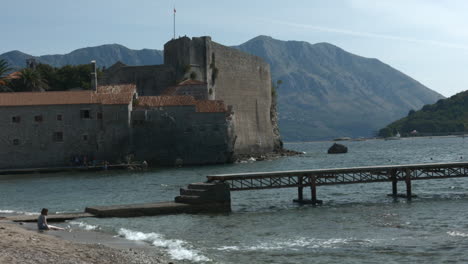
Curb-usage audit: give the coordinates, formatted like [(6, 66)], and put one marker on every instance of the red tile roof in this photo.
[(170, 91), (112, 96), (121, 88), (158, 101), (13, 76)]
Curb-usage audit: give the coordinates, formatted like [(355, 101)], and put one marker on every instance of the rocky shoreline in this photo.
[(267, 156), (19, 245)]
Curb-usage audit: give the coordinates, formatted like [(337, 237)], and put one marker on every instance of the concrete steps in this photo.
[(201, 186), (206, 194), (194, 192), (190, 199)]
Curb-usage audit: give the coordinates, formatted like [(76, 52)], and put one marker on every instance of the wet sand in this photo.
[(23, 244)]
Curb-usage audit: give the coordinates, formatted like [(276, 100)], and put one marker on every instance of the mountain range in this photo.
[(326, 92), (104, 55)]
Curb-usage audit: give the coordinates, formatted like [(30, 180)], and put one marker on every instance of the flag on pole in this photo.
[(174, 20)]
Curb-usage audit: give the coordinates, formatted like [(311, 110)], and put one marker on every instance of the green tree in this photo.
[(49, 74), (4, 68), (78, 76), (386, 132), (32, 80)]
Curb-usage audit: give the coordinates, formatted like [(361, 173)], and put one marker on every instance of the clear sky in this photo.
[(426, 39)]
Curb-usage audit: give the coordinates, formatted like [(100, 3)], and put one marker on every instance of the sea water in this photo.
[(356, 224)]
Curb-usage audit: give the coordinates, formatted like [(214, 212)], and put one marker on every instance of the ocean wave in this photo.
[(84, 225), (17, 212), (177, 249), (297, 243), (457, 234)]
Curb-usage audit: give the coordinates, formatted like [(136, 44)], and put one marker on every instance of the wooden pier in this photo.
[(213, 196), (313, 178)]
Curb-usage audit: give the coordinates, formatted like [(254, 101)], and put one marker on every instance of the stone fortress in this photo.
[(206, 104)]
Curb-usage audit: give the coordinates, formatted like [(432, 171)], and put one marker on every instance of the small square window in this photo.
[(85, 114), (59, 117), (58, 136), (38, 118), (16, 119), (85, 137), (16, 142)]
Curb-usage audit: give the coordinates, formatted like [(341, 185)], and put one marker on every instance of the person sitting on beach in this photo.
[(42, 222)]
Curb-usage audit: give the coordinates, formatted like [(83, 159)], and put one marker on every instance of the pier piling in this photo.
[(394, 184), (408, 184), (313, 189), (300, 190)]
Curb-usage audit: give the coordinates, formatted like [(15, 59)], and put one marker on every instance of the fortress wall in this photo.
[(184, 52), (149, 80), (177, 54), (244, 82), (114, 136), (179, 135), (37, 147)]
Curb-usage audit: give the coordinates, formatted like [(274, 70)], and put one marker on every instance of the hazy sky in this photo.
[(426, 39)]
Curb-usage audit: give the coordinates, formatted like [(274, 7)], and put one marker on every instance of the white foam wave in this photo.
[(229, 248), (17, 212), (296, 243), (178, 249), (84, 225), (457, 234)]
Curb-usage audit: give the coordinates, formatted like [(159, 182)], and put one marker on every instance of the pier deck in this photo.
[(313, 178), (149, 209)]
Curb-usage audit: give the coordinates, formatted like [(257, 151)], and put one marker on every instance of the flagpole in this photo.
[(174, 20)]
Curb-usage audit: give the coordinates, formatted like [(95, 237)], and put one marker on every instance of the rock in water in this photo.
[(337, 149)]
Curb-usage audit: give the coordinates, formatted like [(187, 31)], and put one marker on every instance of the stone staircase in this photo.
[(209, 194)]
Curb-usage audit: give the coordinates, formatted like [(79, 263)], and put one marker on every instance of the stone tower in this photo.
[(241, 80)]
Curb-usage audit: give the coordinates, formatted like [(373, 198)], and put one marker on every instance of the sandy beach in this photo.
[(20, 245)]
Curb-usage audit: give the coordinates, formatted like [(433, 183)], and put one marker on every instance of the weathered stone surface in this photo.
[(152, 209), (197, 193), (37, 148), (337, 149), (179, 135)]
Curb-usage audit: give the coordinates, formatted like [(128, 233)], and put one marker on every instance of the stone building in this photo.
[(206, 104), (207, 70), (47, 129), (52, 128), (181, 130)]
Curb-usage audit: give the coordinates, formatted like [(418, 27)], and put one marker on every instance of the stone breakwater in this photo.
[(23, 246)]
